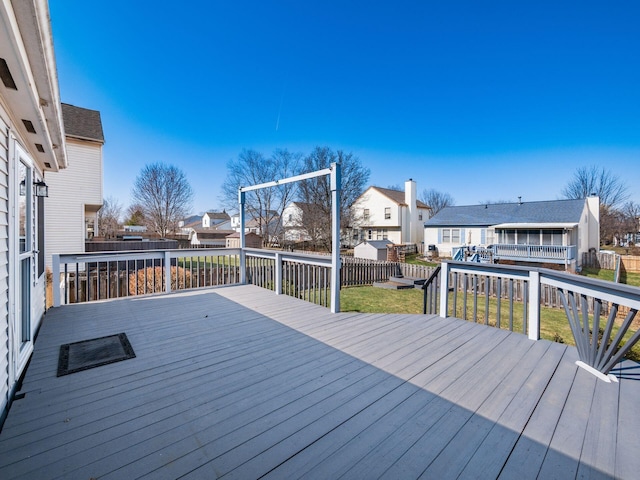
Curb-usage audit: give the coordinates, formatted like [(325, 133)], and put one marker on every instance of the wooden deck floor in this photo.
[(240, 383)]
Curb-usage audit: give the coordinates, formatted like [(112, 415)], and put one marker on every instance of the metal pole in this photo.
[(335, 234), (243, 270)]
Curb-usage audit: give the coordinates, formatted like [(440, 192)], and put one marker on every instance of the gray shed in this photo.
[(372, 249)]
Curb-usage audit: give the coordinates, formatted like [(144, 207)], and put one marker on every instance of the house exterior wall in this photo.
[(291, 223), (479, 236), (405, 224), (4, 263), (14, 352), (75, 195), (31, 140), (377, 204)]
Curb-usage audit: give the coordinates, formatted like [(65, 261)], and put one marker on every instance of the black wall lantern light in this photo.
[(42, 190)]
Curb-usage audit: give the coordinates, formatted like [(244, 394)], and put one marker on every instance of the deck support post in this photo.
[(55, 278), (335, 237), (167, 271), (533, 329), (444, 289), (278, 274), (243, 258)]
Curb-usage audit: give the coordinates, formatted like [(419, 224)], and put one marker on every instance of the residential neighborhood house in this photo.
[(385, 214), (214, 219), (551, 232), (32, 145), (76, 195), (302, 222), (253, 224)]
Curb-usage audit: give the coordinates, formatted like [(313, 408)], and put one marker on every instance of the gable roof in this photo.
[(545, 212), (82, 123), (397, 196), (207, 233), (218, 215)]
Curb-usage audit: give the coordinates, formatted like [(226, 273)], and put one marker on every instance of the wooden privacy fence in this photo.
[(607, 261), (355, 272)]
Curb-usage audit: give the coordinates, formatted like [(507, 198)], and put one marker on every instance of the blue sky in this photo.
[(482, 100)]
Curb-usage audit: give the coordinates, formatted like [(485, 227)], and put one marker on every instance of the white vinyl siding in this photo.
[(70, 191), (4, 263)]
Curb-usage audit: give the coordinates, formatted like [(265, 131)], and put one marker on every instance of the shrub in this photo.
[(151, 280)]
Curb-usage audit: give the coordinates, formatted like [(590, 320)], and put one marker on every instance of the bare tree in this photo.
[(436, 200), (630, 214), (109, 217), (598, 181), (265, 206), (317, 191), (165, 196)]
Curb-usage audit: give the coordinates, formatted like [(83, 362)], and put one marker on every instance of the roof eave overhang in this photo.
[(537, 225), (26, 44)]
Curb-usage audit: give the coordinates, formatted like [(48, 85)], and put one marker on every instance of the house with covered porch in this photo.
[(542, 232)]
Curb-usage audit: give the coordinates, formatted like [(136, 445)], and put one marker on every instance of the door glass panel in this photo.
[(23, 211)]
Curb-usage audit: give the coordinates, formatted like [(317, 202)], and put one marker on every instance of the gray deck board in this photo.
[(241, 383)]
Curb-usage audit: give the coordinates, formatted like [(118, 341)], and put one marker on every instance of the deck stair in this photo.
[(400, 283)]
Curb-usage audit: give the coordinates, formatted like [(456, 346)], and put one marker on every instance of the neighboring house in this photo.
[(298, 222), (188, 223), (385, 214), (213, 219), (556, 231), (75, 195), (209, 237), (371, 250), (251, 240), (32, 145), (254, 225)]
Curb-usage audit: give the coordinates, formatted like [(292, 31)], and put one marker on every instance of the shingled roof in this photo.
[(398, 196), (552, 211), (82, 123)]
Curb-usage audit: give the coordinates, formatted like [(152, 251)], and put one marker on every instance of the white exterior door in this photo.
[(22, 258)]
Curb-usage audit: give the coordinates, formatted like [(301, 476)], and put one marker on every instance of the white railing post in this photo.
[(55, 278), (167, 271), (335, 234), (243, 258), (533, 329), (278, 273), (444, 289)]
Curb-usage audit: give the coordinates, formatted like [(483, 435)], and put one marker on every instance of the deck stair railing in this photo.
[(430, 289), (480, 289)]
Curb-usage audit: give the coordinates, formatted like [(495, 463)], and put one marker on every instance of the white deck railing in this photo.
[(535, 252), (98, 276), (600, 344)]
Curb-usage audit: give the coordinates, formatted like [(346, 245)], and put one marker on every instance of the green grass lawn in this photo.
[(416, 259), (553, 321), (628, 278)]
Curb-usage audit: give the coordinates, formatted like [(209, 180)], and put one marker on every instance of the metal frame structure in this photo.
[(335, 178)]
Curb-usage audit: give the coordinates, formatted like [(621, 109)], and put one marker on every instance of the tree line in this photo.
[(163, 196)]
